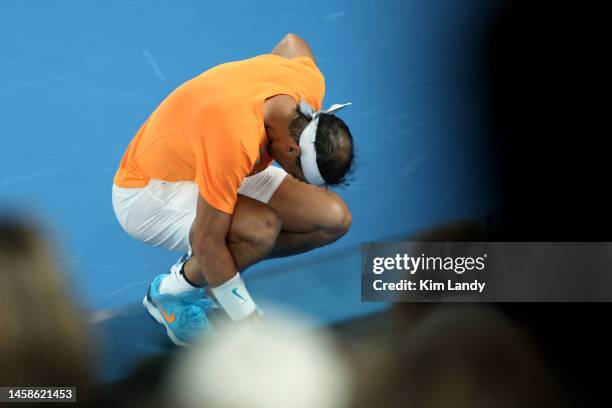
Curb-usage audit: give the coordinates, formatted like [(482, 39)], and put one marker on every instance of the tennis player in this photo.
[(198, 178)]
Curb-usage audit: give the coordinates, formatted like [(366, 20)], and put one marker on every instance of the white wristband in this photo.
[(234, 298)]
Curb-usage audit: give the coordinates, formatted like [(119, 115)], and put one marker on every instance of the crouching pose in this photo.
[(197, 178)]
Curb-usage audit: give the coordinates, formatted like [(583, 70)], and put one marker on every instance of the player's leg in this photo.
[(252, 234), (311, 217), (308, 217), (161, 214)]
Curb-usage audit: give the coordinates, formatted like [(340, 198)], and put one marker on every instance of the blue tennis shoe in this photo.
[(184, 316)]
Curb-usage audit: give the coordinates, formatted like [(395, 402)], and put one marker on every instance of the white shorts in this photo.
[(161, 214)]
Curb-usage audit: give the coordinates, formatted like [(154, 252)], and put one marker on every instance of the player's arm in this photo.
[(293, 46), (209, 246)]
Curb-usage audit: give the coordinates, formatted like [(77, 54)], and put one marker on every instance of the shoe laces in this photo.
[(191, 316), (206, 303)]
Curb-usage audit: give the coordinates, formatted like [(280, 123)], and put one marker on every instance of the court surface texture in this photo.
[(77, 79)]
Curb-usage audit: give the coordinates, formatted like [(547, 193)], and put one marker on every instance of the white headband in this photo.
[(308, 156)]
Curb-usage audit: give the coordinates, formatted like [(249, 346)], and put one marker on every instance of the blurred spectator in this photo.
[(43, 341), (431, 355), (454, 356), (278, 364)]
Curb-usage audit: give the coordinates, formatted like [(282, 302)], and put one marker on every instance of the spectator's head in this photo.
[(275, 365), (459, 356), (43, 339)]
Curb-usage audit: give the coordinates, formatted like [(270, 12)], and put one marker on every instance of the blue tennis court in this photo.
[(77, 79)]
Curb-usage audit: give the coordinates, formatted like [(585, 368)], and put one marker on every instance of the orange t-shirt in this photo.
[(211, 128)]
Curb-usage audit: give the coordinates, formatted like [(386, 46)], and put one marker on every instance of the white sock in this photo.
[(175, 283)]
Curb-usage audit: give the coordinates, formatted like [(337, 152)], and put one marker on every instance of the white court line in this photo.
[(101, 315), (335, 16), (156, 70), (62, 77), (23, 177), (124, 288)]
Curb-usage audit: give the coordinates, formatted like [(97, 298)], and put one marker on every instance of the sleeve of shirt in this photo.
[(304, 60), (316, 80), (221, 165)]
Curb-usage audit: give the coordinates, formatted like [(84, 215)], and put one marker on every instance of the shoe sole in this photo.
[(154, 312)]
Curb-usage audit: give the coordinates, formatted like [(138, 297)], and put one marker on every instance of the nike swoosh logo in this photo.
[(169, 318), (235, 292)]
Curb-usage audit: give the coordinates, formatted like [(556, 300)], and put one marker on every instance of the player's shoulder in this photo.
[(304, 69), (302, 62)]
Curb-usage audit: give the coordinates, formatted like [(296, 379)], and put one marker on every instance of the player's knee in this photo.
[(264, 230), (339, 217)]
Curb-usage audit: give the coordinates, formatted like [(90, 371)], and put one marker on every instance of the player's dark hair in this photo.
[(298, 124), (335, 152), (333, 144)]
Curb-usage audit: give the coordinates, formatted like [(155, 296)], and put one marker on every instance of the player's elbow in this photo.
[(292, 46), (288, 44), (291, 38)]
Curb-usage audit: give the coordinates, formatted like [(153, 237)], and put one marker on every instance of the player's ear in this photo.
[(293, 149)]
